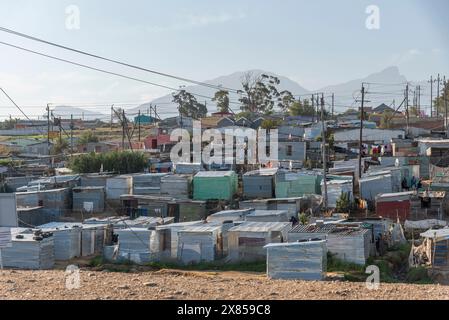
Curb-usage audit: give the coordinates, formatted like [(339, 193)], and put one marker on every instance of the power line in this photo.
[(117, 62)]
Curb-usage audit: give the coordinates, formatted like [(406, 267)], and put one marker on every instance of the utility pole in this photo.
[(445, 105), (333, 103), (313, 107), (438, 92), (112, 115), (324, 147), (318, 105), (123, 130), (139, 124), (419, 101), (406, 109), (48, 127), (71, 135), (361, 131), (431, 96)]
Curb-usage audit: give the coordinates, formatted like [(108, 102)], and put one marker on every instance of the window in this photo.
[(289, 151)]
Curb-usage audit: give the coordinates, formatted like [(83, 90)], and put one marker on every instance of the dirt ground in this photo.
[(185, 285)]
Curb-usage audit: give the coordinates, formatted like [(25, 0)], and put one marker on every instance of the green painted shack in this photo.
[(215, 185)]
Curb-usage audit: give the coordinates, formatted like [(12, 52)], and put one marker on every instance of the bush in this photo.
[(418, 275), (119, 162)]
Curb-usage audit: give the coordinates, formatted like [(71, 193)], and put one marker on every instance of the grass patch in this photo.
[(215, 266), (418, 275)]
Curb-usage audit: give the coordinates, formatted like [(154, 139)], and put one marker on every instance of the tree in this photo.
[(385, 120), (88, 136), (188, 106), (124, 162), (270, 124), (301, 108), (440, 103), (222, 99), (260, 94), (343, 203), (59, 147)]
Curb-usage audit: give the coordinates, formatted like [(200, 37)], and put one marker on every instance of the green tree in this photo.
[(260, 94), (88, 136), (302, 108), (343, 203), (222, 99), (440, 102), (119, 162), (270, 124), (385, 120), (188, 106), (59, 147)]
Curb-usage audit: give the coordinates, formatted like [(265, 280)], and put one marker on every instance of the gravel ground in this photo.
[(184, 285)]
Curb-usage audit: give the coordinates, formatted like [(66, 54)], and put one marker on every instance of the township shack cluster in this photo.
[(291, 213)]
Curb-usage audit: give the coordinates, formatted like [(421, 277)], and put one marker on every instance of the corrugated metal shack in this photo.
[(352, 244), (297, 184), (430, 204), (117, 186), (229, 215), (145, 205), (147, 184), (200, 243), (178, 186), (95, 180), (67, 239), (12, 183), (30, 217), (191, 210), (29, 250), (187, 168), (246, 241), (269, 216), (337, 187), (395, 172), (394, 205), (89, 199), (297, 261), (349, 242), (134, 244), (259, 183), (215, 185), (292, 205), (55, 203), (371, 186), (164, 246)]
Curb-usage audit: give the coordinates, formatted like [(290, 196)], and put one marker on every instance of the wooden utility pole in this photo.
[(445, 105), (324, 147), (333, 103), (48, 127), (431, 96), (313, 107), (438, 93), (361, 131), (71, 134), (123, 130), (407, 115), (139, 124)]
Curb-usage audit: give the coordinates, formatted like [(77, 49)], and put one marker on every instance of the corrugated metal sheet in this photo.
[(199, 243), (370, 187), (292, 184), (215, 185), (150, 183), (335, 188), (268, 216), (90, 195), (28, 253), (177, 186), (67, 239), (94, 180), (246, 241), (350, 244), (187, 168), (117, 186), (259, 184), (300, 261), (229, 215)]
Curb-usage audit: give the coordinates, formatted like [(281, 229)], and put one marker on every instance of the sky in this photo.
[(315, 43)]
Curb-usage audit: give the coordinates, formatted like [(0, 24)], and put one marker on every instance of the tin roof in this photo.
[(260, 226), (313, 228)]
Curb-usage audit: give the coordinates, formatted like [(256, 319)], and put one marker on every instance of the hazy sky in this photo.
[(315, 43)]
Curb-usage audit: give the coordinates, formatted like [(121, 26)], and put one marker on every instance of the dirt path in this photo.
[(169, 284)]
